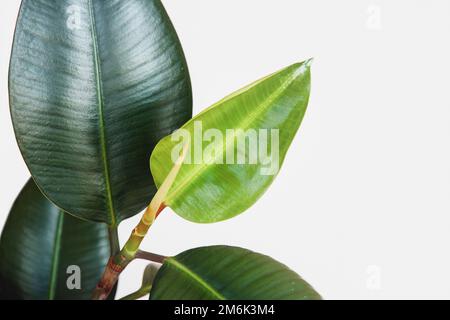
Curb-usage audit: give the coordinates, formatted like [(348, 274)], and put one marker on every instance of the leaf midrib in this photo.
[(183, 268), (252, 116), (56, 256), (100, 101)]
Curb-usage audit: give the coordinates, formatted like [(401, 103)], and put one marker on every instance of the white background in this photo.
[(361, 208)]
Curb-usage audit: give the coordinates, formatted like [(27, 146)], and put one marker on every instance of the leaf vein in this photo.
[(56, 256), (196, 277), (100, 98)]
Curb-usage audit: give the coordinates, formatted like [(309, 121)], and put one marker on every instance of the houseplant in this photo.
[(96, 90)]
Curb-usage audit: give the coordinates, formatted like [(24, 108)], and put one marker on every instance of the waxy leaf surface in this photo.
[(94, 85), (219, 178), (228, 273), (48, 254)]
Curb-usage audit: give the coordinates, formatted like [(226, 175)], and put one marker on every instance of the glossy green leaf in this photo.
[(40, 243), (215, 185), (228, 273), (94, 85)]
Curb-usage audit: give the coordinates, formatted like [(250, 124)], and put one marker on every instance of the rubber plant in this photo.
[(98, 90)]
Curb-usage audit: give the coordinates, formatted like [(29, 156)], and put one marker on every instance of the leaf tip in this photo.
[(307, 63), (300, 68)]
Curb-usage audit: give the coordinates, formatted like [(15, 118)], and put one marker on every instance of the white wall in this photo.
[(364, 191)]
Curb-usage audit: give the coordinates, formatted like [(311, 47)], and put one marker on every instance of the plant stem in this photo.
[(119, 261), (150, 273), (144, 255), (138, 294), (114, 240), (131, 247)]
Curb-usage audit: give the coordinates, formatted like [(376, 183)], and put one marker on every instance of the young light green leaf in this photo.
[(228, 273), (237, 147), (94, 85), (47, 254)]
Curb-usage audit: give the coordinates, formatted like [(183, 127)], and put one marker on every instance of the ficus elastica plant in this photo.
[(101, 105)]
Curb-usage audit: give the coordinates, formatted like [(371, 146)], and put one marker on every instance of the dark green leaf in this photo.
[(94, 85), (39, 243), (221, 272)]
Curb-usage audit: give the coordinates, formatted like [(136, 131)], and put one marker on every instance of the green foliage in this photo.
[(221, 272), (38, 245), (94, 85), (215, 188)]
